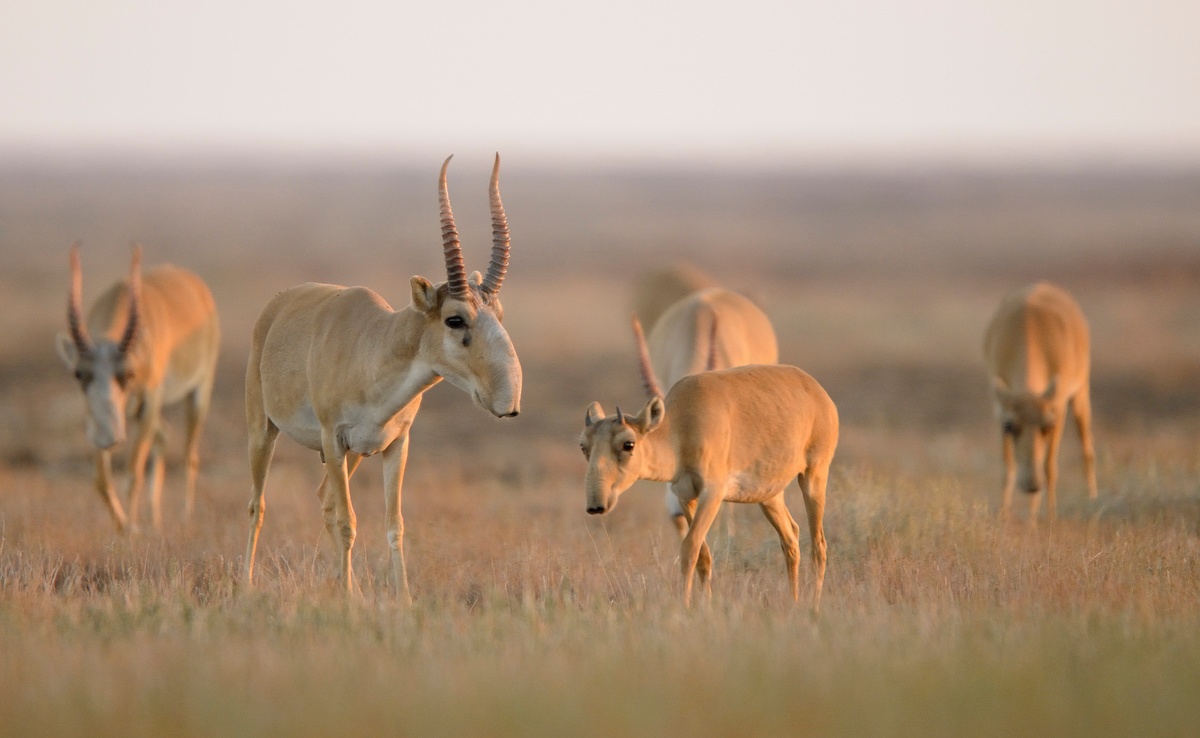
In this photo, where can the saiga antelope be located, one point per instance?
(736, 435)
(1038, 355)
(148, 342)
(340, 372)
(712, 328)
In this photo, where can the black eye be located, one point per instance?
(584, 450)
(628, 445)
(455, 321)
(1010, 428)
(83, 375)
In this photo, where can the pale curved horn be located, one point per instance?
(456, 271)
(135, 301)
(75, 304)
(498, 266)
(647, 369)
(710, 362)
(620, 416)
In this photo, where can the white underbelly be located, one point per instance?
(301, 426)
(751, 488)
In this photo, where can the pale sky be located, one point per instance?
(689, 81)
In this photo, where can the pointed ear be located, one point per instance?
(594, 414)
(1050, 389)
(424, 294)
(652, 415)
(67, 350)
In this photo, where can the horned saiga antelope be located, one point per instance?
(734, 435)
(340, 372)
(1037, 350)
(712, 328)
(148, 342)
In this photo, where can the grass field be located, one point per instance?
(532, 618)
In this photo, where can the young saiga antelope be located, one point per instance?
(735, 435)
(1037, 353)
(340, 372)
(148, 342)
(712, 328)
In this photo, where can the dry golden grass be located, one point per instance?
(532, 618)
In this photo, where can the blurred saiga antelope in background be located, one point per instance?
(713, 328)
(148, 342)
(340, 372)
(736, 435)
(1038, 354)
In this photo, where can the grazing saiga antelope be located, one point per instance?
(340, 372)
(1037, 352)
(713, 328)
(736, 435)
(148, 342)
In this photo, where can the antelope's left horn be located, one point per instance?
(135, 301)
(498, 266)
(456, 271)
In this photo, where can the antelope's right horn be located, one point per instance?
(456, 271)
(75, 304)
(648, 379)
(135, 301)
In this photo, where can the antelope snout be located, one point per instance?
(596, 510)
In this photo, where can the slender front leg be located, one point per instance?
(346, 525)
(104, 486)
(197, 410)
(1010, 476)
(812, 485)
(395, 458)
(789, 538)
(157, 463)
(705, 507)
(1082, 407)
(262, 447)
(329, 505)
(148, 420)
(679, 518)
(1056, 433)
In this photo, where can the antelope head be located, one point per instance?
(104, 366)
(613, 445)
(463, 340)
(1029, 419)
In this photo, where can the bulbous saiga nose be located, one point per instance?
(595, 510)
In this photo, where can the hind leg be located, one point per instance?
(196, 407)
(328, 504)
(1081, 406)
(812, 485)
(789, 538)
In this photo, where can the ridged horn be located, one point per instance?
(710, 362)
(75, 304)
(135, 301)
(647, 369)
(498, 266)
(456, 271)
(620, 416)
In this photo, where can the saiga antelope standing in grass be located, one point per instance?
(736, 435)
(340, 372)
(148, 342)
(713, 328)
(1037, 352)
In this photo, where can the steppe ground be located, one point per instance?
(532, 618)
